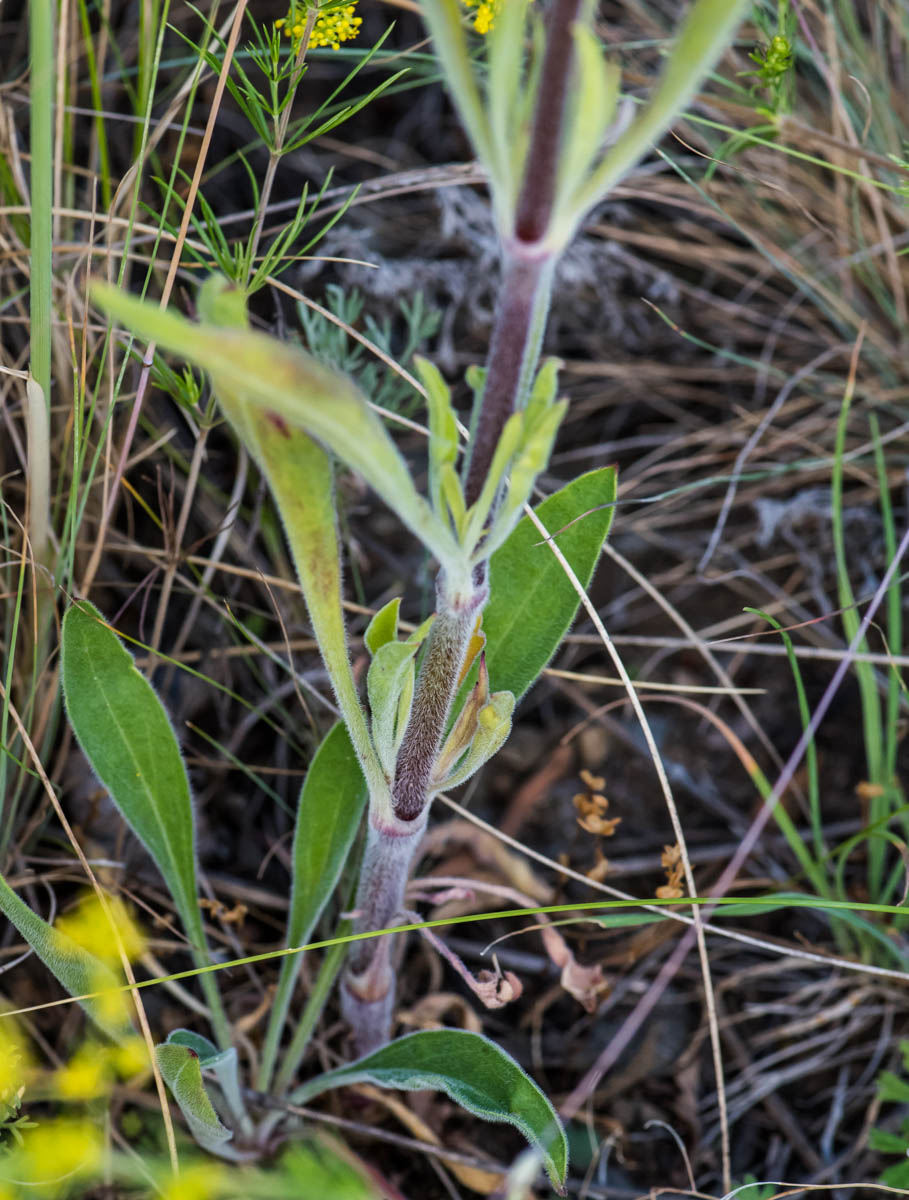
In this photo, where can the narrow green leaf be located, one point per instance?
(443, 427)
(473, 1071)
(328, 817)
(531, 602)
(291, 389)
(386, 679)
(78, 971)
(705, 34)
(493, 728)
(181, 1069)
(301, 478)
(127, 737)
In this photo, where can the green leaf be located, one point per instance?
(328, 817)
(291, 389)
(389, 674)
(78, 971)
(383, 627)
(897, 1176)
(473, 1071)
(892, 1087)
(888, 1143)
(181, 1069)
(705, 34)
(127, 737)
(301, 478)
(221, 1063)
(531, 602)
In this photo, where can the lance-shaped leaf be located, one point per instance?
(78, 971)
(531, 602)
(443, 427)
(390, 678)
(328, 817)
(707, 30)
(127, 737)
(473, 1071)
(299, 391)
(301, 478)
(181, 1069)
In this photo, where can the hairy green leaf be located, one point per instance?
(531, 602)
(181, 1069)
(390, 673)
(291, 389)
(127, 737)
(78, 971)
(383, 627)
(328, 817)
(473, 1071)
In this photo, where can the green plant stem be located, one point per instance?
(315, 1002)
(276, 151)
(528, 267)
(871, 706)
(41, 115)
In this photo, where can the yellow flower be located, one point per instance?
(485, 16)
(56, 1151)
(331, 28)
(130, 1058)
(89, 926)
(200, 1181)
(86, 1075)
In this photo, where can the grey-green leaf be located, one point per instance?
(127, 737)
(181, 1069)
(78, 971)
(473, 1071)
(222, 1064)
(328, 817)
(531, 602)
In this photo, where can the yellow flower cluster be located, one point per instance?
(331, 28)
(52, 1157)
(484, 17)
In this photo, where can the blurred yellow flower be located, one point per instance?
(199, 1181)
(87, 1074)
(55, 1150)
(130, 1058)
(89, 926)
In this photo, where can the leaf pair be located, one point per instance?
(588, 167)
(522, 453)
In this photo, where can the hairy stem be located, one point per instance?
(513, 354)
(367, 997)
(528, 266)
(437, 684)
